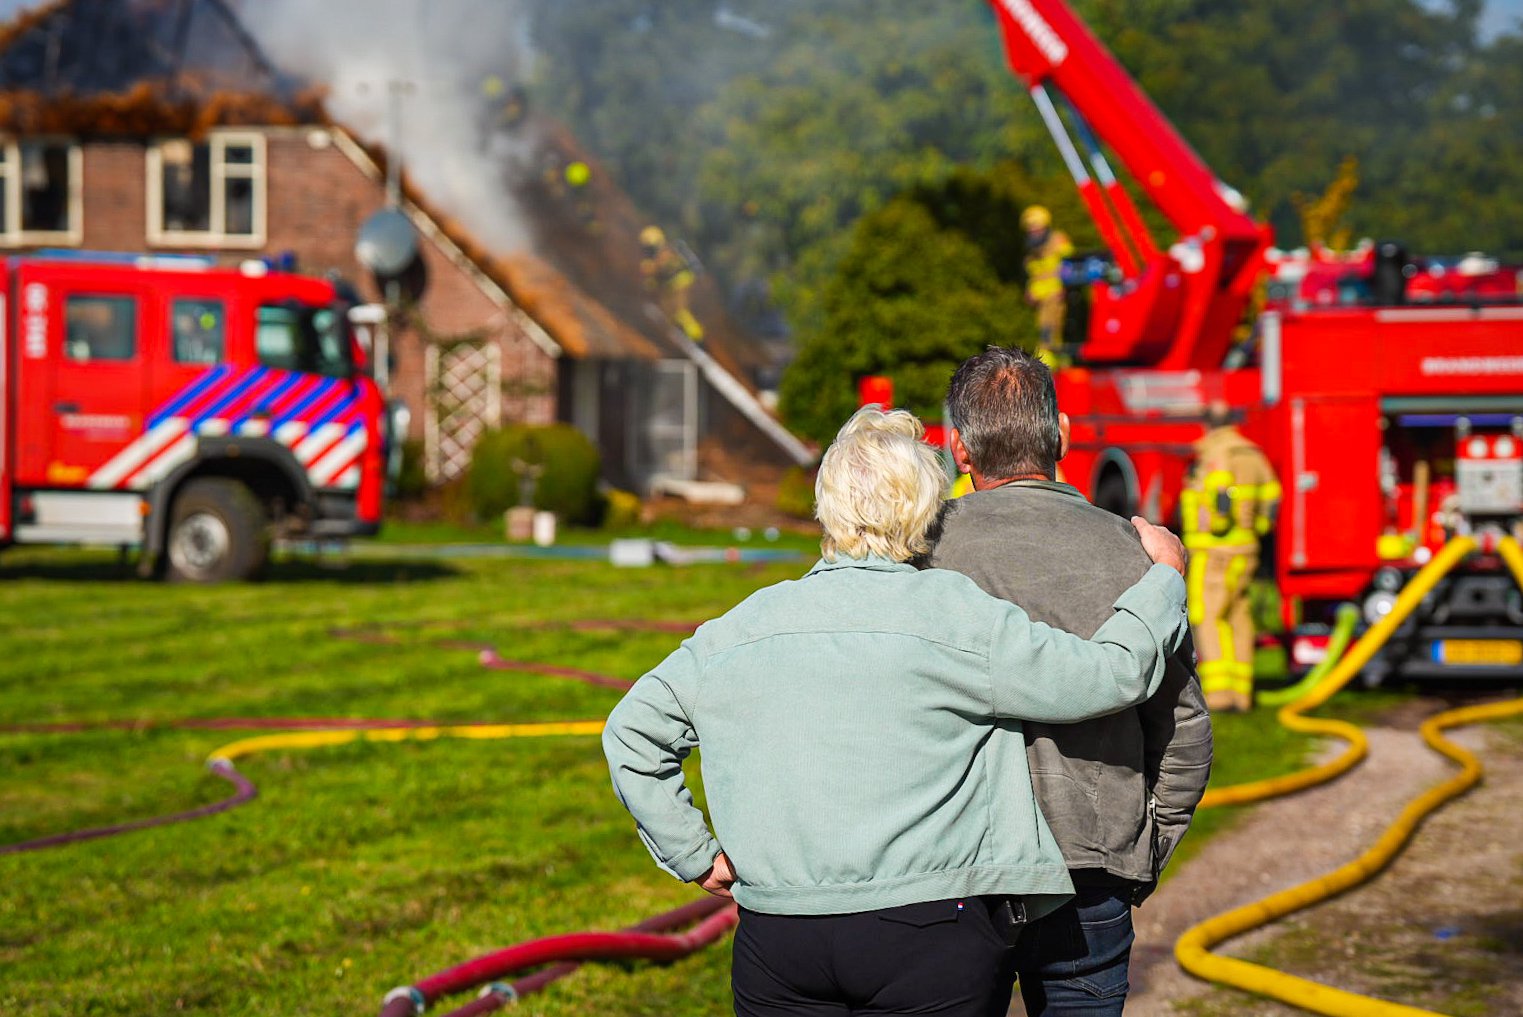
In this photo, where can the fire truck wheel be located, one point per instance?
(1111, 494)
(217, 533)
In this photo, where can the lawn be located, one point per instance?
(361, 867)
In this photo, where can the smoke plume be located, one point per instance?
(445, 64)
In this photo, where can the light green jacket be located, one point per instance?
(861, 736)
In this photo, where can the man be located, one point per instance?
(1045, 250)
(1119, 791)
(668, 273)
(1228, 503)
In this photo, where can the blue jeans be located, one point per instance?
(1074, 961)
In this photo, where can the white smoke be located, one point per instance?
(447, 63)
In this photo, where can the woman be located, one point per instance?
(862, 751)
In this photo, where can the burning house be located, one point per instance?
(163, 126)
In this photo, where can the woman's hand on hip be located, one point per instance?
(719, 878)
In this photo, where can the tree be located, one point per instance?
(925, 283)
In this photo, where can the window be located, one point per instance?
(40, 191)
(207, 193)
(196, 332)
(297, 338)
(100, 328)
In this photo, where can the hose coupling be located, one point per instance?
(502, 990)
(409, 993)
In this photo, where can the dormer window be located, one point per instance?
(208, 193)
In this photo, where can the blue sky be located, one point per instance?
(1501, 15)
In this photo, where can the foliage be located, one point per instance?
(767, 148)
(929, 280)
(556, 462)
(864, 100)
(629, 76)
(412, 480)
(1275, 96)
(795, 494)
(621, 509)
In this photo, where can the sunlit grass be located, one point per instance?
(358, 867)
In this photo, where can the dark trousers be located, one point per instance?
(1074, 960)
(937, 958)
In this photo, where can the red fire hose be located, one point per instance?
(649, 940)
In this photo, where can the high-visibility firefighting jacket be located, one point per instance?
(1044, 267)
(1232, 496)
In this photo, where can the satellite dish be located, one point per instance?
(387, 243)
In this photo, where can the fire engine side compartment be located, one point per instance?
(1342, 371)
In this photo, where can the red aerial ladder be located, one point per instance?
(1393, 426)
(1172, 308)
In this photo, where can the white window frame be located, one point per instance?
(215, 235)
(14, 235)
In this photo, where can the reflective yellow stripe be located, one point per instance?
(1235, 571)
(1236, 537)
(1215, 676)
(1189, 513)
(1224, 637)
(1195, 589)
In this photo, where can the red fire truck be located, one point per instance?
(1393, 423)
(190, 410)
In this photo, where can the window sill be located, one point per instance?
(207, 240)
(39, 239)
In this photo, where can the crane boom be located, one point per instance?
(1172, 308)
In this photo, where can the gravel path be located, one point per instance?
(1441, 924)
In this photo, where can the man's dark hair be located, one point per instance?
(1005, 406)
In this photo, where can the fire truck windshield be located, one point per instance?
(298, 337)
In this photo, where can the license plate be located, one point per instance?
(1479, 651)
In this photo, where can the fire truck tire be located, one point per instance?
(1111, 494)
(218, 533)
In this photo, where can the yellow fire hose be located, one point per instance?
(1192, 949)
(324, 739)
(1358, 746)
(1343, 633)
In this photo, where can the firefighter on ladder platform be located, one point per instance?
(669, 274)
(1228, 504)
(1045, 250)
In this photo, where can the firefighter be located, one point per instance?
(669, 274)
(1045, 250)
(1228, 504)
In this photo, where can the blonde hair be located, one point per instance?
(878, 488)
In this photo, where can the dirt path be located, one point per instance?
(1442, 928)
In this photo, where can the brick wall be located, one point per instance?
(317, 198)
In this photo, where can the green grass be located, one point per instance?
(800, 536)
(359, 867)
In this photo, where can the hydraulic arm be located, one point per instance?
(1172, 308)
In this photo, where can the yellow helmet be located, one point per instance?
(578, 173)
(651, 236)
(1035, 218)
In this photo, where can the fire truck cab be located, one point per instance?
(192, 411)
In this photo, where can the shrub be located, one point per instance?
(505, 459)
(411, 480)
(795, 493)
(621, 509)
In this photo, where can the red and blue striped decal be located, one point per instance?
(317, 418)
